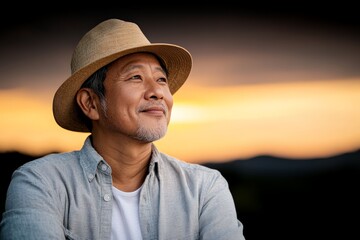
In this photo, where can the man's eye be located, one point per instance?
(162, 80)
(136, 77)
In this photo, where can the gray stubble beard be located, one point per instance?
(145, 134)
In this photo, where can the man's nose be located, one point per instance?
(154, 90)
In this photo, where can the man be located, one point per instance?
(119, 186)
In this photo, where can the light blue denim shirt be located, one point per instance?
(69, 196)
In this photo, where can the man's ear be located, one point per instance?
(86, 100)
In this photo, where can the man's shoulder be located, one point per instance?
(56, 159)
(194, 174)
(187, 166)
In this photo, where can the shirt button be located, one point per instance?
(107, 197)
(103, 167)
(90, 176)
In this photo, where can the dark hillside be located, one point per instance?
(278, 198)
(296, 199)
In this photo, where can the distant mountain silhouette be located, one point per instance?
(277, 198)
(285, 199)
(275, 166)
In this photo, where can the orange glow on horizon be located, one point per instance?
(307, 119)
(300, 119)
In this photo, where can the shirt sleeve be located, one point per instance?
(31, 209)
(218, 217)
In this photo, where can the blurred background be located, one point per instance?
(272, 102)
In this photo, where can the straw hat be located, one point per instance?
(103, 44)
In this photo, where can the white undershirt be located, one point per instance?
(125, 215)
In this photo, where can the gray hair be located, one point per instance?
(96, 83)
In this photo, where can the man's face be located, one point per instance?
(138, 98)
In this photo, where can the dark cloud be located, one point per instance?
(254, 44)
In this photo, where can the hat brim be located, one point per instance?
(177, 60)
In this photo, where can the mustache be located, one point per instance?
(150, 106)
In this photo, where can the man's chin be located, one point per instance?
(150, 134)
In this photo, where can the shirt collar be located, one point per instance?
(90, 159)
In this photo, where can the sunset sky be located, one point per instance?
(279, 84)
